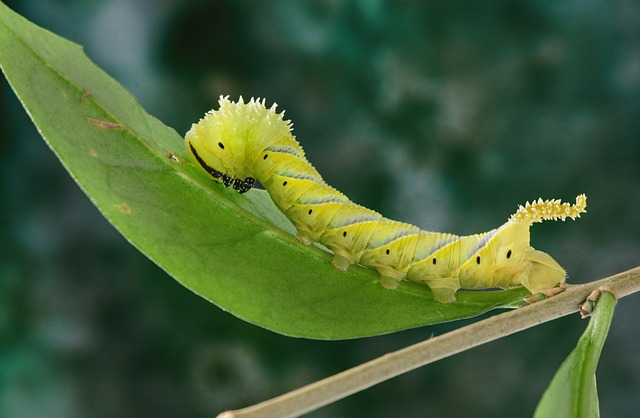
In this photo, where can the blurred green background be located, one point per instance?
(445, 114)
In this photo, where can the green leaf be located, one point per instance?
(572, 392)
(237, 251)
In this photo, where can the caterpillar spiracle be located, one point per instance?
(243, 142)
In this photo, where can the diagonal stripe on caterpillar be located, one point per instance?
(241, 142)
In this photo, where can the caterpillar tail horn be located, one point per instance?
(543, 272)
(554, 209)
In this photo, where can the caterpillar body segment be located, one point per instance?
(242, 141)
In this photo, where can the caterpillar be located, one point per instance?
(243, 142)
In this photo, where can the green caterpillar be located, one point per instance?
(242, 142)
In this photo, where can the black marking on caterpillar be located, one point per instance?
(242, 141)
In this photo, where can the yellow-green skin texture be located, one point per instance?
(242, 141)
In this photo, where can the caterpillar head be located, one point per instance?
(226, 142)
(507, 256)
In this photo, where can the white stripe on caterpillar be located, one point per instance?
(242, 141)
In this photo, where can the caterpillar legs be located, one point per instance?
(542, 272)
(388, 282)
(340, 262)
(444, 289)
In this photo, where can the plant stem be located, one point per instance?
(333, 388)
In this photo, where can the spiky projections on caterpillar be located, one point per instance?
(241, 142)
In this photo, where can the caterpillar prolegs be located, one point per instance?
(241, 142)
